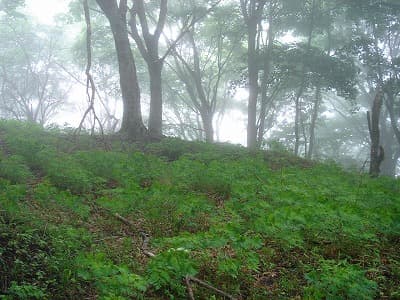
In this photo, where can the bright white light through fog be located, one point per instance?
(46, 10)
(232, 127)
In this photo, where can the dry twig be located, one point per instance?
(210, 287)
(189, 288)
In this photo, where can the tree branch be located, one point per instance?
(187, 26)
(161, 19)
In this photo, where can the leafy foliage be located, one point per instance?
(14, 169)
(340, 280)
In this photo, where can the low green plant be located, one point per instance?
(252, 223)
(172, 149)
(338, 280)
(66, 173)
(47, 194)
(167, 270)
(14, 169)
(107, 165)
(111, 281)
(24, 292)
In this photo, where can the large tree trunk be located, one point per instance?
(207, 120)
(155, 117)
(132, 123)
(392, 155)
(392, 150)
(377, 154)
(393, 117)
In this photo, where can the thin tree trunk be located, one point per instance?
(253, 86)
(314, 117)
(303, 84)
(297, 123)
(252, 11)
(266, 75)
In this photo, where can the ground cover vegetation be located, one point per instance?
(145, 221)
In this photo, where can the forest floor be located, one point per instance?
(188, 220)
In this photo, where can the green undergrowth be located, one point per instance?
(257, 225)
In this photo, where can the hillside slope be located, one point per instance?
(133, 222)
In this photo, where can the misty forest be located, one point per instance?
(199, 149)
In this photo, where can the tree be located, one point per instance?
(203, 75)
(32, 87)
(376, 27)
(132, 124)
(148, 46)
(377, 152)
(252, 12)
(10, 6)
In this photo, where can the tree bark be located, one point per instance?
(314, 117)
(132, 124)
(302, 87)
(156, 101)
(377, 152)
(253, 85)
(392, 150)
(252, 12)
(264, 82)
(207, 120)
(393, 119)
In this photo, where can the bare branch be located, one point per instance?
(90, 86)
(161, 19)
(135, 35)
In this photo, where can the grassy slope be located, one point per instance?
(256, 225)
